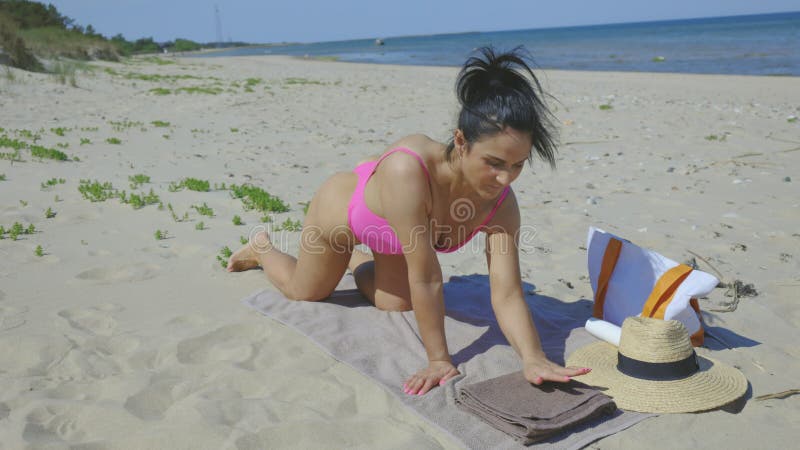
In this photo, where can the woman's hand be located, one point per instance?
(437, 373)
(540, 370)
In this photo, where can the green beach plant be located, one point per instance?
(138, 180)
(209, 90)
(243, 240)
(605, 107)
(160, 124)
(200, 226)
(223, 256)
(305, 205)
(14, 144)
(714, 137)
(38, 252)
(256, 198)
(114, 141)
(204, 210)
(85, 141)
(139, 201)
(175, 216)
(160, 91)
(122, 125)
(160, 235)
(290, 225)
(64, 72)
(11, 156)
(301, 81)
(193, 184)
(237, 221)
(52, 182)
(49, 214)
(2, 177)
(30, 135)
(41, 152)
(95, 191)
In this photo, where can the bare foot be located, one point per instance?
(247, 257)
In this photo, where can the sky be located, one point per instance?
(268, 21)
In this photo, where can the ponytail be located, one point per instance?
(495, 93)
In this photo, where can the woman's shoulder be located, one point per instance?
(507, 214)
(418, 143)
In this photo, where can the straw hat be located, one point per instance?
(656, 370)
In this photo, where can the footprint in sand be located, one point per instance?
(34, 355)
(12, 317)
(51, 424)
(94, 321)
(55, 424)
(120, 273)
(229, 343)
(154, 400)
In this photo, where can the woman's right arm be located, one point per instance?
(405, 196)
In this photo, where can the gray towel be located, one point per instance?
(532, 413)
(386, 347)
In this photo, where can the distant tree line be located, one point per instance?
(29, 27)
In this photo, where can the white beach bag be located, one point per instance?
(628, 280)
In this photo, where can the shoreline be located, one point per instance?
(535, 69)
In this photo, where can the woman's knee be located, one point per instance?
(307, 295)
(386, 301)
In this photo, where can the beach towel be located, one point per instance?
(386, 347)
(531, 413)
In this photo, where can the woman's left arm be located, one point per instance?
(508, 301)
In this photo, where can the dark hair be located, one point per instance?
(494, 93)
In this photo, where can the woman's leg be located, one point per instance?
(325, 247)
(383, 280)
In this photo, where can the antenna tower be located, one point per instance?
(219, 26)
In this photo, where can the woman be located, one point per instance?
(424, 196)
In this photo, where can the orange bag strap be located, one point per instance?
(610, 257)
(664, 290)
(699, 336)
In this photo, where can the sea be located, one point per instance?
(764, 44)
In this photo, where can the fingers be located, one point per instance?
(418, 386)
(421, 384)
(573, 371)
(429, 383)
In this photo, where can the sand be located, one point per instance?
(114, 339)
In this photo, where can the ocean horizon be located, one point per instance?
(763, 44)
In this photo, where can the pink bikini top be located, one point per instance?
(374, 231)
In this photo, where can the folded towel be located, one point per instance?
(531, 413)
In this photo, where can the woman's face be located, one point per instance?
(493, 162)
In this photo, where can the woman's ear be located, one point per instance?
(459, 141)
